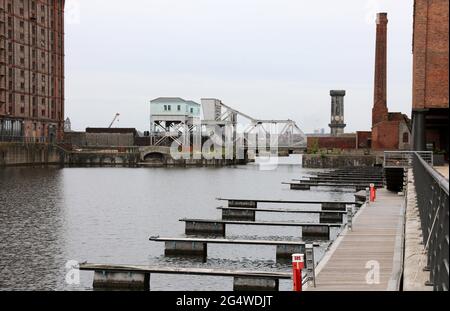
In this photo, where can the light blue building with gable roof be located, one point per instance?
(166, 112)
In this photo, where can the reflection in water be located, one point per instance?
(31, 231)
(50, 216)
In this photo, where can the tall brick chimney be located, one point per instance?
(379, 110)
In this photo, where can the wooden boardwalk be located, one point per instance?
(376, 237)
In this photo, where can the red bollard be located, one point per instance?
(373, 193)
(297, 265)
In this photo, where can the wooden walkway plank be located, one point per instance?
(373, 243)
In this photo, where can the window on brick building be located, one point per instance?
(406, 138)
(22, 48)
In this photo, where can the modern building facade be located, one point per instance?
(32, 69)
(430, 75)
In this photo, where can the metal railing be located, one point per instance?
(404, 159)
(432, 200)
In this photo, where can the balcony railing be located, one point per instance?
(432, 201)
(404, 159)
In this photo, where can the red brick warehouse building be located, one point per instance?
(430, 75)
(32, 69)
(390, 130)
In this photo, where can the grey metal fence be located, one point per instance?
(432, 200)
(404, 159)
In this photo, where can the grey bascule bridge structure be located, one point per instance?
(175, 121)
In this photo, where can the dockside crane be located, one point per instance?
(114, 120)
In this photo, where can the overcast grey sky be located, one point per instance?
(267, 58)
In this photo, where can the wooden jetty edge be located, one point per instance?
(233, 202)
(306, 185)
(232, 241)
(317, 231)
(281, 210)
(198, 247)
(138, 276)
(261, 223)
(249, 213)
(368, 257)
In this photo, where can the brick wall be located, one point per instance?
(385, 135)
(430, 49)
(363, 139)
(332, 142)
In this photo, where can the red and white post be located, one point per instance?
(298, 263)
(373, 193)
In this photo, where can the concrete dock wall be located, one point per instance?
(336, 161)
(17, 154)
(21, 154)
